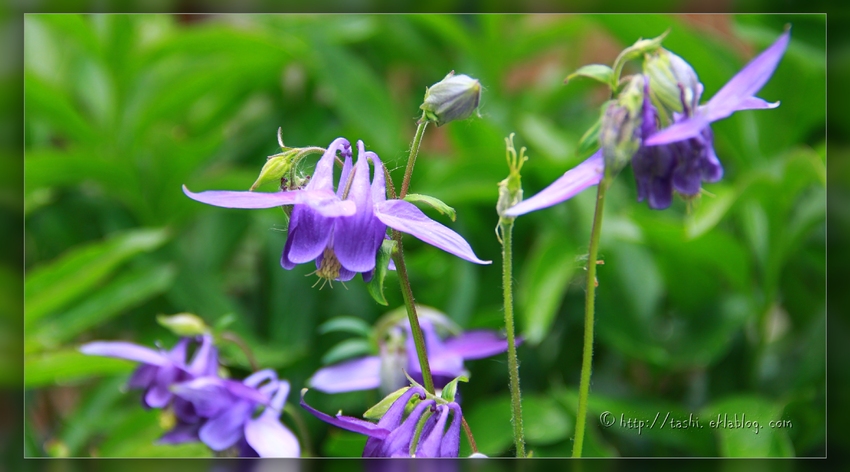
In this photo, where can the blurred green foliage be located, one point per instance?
(716, 310)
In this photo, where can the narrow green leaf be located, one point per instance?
(346, 324)
(590, 139)
(377, 411)
(51, 286)
(598, 72)
(435, 203)
(346, 349)
(125, 292)
(69, 365)
(450, 390)
(376, 285)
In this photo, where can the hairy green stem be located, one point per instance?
(506, 226)
(407, 292)
(411, 159)
(587, 354)
(409, 304)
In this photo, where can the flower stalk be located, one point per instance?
(590, 298)
(414, 151)
(510, 193)
(404, 281)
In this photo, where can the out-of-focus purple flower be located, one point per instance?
(162, 369)
(393, 435)
(342, 229)
(399, 356)
(680, 156)
(229, 408)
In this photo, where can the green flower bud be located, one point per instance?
(455, 97)
(673, 83)
(619, 135)
(184, 324)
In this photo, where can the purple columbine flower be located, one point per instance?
(162, 369)
(342, 229)
(229, 408)
(387, 370)
(393, 435)
(680, 156)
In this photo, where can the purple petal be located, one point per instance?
(270, 438)
(182, 433)
(746, 83)
(379, 181)
(397, 443)
(323, 201)
(177, 354)
(159, 393)
(429, 442)
(358, 237)
(184, 410)
(309, 233)
(205, 360)
(209, 395)
(224, 430)
(357, 374)
(450, 447)
(344, 175)
(323, 174)
(257, 378)
(678, 131)
(143, 376)
(580, 177)
(346, 422)
(390, 421)
(476, 344)
(124, 350)
(405, 217)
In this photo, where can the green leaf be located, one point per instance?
(377, 412)
(710, 210)
(543, 283)
(346, 349)
(450, 390)
(346, 324)
(107, 302)
(376, 285)
(598, 72)
(590, 139)
(41, 370)
(743, 426)
(50, 287)
(434, 202)
(544, 420)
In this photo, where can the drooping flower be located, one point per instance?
(206, 407)
(342, 229)
(394, 434)
(680, 156)
(229, 408)
(398, 355)
(162, 369)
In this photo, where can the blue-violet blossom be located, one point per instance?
(393, 435)
(342, 229)
(229, 408)
(680, 156)
(215, 411)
